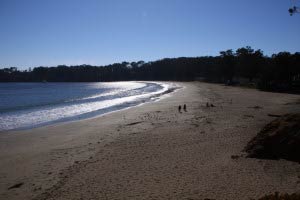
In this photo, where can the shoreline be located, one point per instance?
(43, 140)
(153, 151)
(155, 96)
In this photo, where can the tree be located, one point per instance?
(249, 62)
(227, 65)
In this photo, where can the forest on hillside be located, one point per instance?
(279, 72)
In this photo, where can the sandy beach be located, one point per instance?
(153, 151)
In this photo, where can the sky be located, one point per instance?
(100, 32)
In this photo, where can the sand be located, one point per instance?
(153, 151)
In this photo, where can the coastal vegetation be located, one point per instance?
(279, 72)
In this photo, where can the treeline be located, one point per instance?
(279, 72)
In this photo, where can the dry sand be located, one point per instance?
(153, 151)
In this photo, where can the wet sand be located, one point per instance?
(153, 151)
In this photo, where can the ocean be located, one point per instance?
(29, 105)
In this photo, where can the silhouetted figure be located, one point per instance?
(179, 108)
(184, 107)
(207, 104)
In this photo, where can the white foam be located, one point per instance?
(35, 117)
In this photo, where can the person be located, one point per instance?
(179, 108)
(184, 107)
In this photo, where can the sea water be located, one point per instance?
(28, 105)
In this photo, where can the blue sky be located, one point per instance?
(99, 32)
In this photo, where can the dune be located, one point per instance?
(280, 139)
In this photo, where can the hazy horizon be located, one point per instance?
(49, 33)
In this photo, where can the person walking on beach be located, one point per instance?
(179, 108)
(184, 108)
